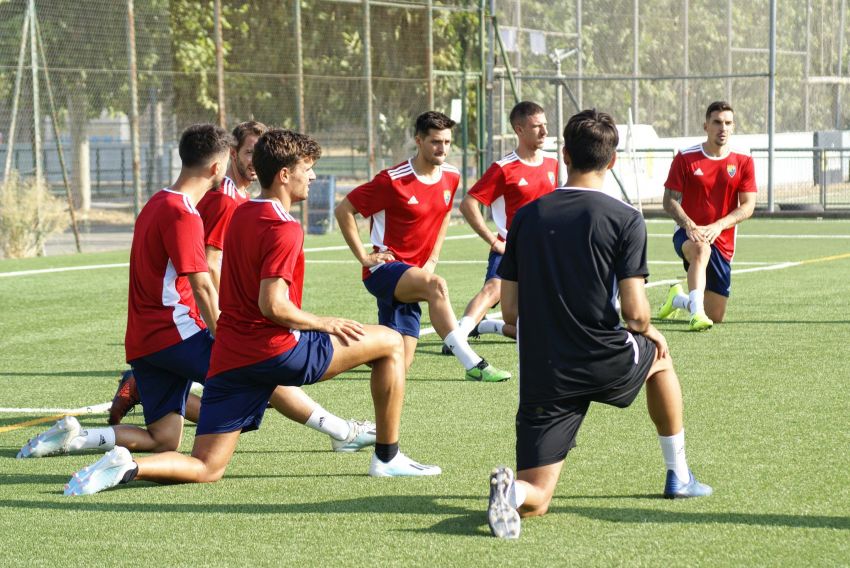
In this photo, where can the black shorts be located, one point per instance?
(546, 431)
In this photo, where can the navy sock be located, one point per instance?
(130, 475)
(386, 452)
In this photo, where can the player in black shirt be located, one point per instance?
(572, 258)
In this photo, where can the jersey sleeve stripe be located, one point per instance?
(507, 159)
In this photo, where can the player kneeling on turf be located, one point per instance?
(568, 254)
(264, 339)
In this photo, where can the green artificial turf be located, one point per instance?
(767, 400)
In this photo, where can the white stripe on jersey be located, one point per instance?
(450, 168)
(281, 211)
(692, 149)
(186, 326)
(229, 187)
(401, 171)
(379, 228)
(500, 215)
(507, 159)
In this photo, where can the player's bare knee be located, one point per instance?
(535, 511)
(437, 289)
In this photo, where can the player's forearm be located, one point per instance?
(738, 215)
(214, 264)
(469, 209)
(286, 314)
(348, 227)
(206, 297)
(510, 301)
(672, 204)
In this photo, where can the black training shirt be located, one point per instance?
(566, 251)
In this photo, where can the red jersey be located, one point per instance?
(510, 183)
(406, 211)
(168, 244)
(216, 209)
(710, 187)
(270, 244)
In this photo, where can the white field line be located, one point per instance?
(63, 269)
(93, 409)
(104, 407)
(780, 266)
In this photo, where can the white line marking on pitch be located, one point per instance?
(740, 236)
(64, 269)
(104, 407)
(94, 409)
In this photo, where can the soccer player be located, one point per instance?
(172, 308)
(568, 256)
(409, 207)
(710, 190)
(517, 179)
(216, 209)
(265, 339)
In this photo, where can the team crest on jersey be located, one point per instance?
(731, 169)
(447, 196)
(552, 178)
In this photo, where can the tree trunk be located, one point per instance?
(80, 169)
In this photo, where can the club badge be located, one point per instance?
(731, 169)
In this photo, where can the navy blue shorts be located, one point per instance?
(402, 317)
(237, 399)
(718, 273)
(493, 262)
(165, 377)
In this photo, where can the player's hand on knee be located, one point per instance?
(662, 350)
(376, 258)
(711, 232)
(345, 329)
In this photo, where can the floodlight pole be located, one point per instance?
(771, 108)
(36, 134)
(134, 108)
(370, 110)
(10, 145)
(219, 64)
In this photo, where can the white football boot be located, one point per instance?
(56, 440)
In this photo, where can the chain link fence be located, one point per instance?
(354, 74)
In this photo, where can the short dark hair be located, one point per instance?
(523, 110)
(201, 143)
(248, 128)
(591, 139)
(279, 148)
(432, 120)
(717, 106)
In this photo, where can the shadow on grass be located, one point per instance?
(461, 521)
(29, 478)
(636, 515)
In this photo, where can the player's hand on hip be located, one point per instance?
(376, 258)
(662, 351)
(498, 246)
(345, 329)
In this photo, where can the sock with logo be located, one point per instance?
(328, 423)
(491, 326)
(673, 449)
(456, 341)
(695, 301)
(386, 452)
(94, 438)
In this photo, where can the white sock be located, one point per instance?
(100, 438)
(456, 341)
(466, 324)
(491, 326)
(680, 302)
(673, 449)
(516, 495)
(328, 423)
(695, 301)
